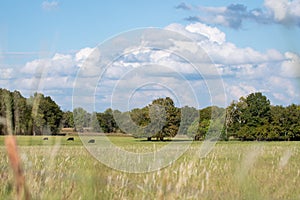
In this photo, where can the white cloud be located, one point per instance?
(61, 63)
(284, 11)
(83, 54)
(221, 51)
(35, 66)
(239, 90)
(212, 33)
(244, 70)
(58, 64)
(6, 73)
(284, 90)
(179, 28)
(50, 5)
(291, 66)
(250, 71)
(45, 83)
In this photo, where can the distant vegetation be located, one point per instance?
(250, 118)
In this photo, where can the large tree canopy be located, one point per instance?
(253, 118)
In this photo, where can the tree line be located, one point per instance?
(250, 118)
(35, 115)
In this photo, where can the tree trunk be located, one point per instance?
(148, 138)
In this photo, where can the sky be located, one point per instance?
(51, 46)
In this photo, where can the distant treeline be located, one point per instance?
(249, 118)
(33, 116)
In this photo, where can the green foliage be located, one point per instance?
(209, 125)
(67, 120)
(250, 118)
(23, 116)
(94, 123)
(106, 121)
(188, 116)
(140, 116)
(253, 118)
(46, 114)
(158, 120)
(172, 118)
(81, 118)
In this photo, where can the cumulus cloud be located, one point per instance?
(83, 54)
(212, 33)
(235, 91)
(286, 12)
(283, 89)
(291, 66)
(243, 70)
(46, 83)
(6, 73)
(58, 64)
(221, 51)
(247, 67)
(47, 74)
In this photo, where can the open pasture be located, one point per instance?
(60, 169)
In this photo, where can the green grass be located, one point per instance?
(38, 140)
(60, 169)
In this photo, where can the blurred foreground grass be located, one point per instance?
(61, 169)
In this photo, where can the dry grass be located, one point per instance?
(233, 170)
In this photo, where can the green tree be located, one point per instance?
(172, 118)
(209, 125)
(46, 114)
(6, 112)
(188, 116)
(106, 121)
(278, 125)
(258, 110)
(292, 127)
(67, 120)
(140, 116)
(158, 120)
(81, 118)
(234, 117)
(52, 114)
(21, 113)
(249, 118)
(95, 123)
(14, 113)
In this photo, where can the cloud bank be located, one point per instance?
(284, 12)
(243, 70)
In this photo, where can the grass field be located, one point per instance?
(61, 169)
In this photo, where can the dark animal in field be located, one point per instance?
(70, 139)
(45, 138)
(91, 141)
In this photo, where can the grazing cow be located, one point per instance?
(91, 141)
(70, 139)
(45, 138)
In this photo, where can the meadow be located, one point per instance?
(61, 169)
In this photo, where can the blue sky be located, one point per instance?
(254, 44)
